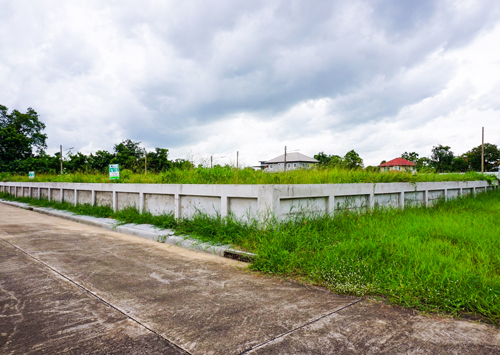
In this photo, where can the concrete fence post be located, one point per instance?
(61, 199)
(267, 202)
(401, 201)
(141, 202)
(76, 197)
(92, 198)
(371, 201)
(115, 202)
(177, 206)
(224, 211)
(331, 205)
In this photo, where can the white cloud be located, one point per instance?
(380, 77)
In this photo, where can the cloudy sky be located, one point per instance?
(215, 77)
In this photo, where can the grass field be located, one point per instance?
(442, 259)
(228, 175)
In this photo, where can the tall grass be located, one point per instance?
(228, 175)
(441, 259)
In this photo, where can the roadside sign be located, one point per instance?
(32, 174)
(114, 171)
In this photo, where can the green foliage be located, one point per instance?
(442, 158)
(491, 157)
(129, 155)
(20, 135)
(460, 164)
(412, 156)
(100, 161)
(351, 160)
(125, 174)
(158, 160)
(229, 175)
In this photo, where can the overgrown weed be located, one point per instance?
(229, 175)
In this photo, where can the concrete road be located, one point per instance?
(70, 288)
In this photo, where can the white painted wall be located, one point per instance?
(247, 201)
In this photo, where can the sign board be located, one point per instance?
(114, 171)
(32, 174)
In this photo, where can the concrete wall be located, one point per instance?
(248, 201)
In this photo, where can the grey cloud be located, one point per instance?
(299, 54)
(200, 62)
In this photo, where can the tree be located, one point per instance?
(442, 158)
(129, 155)
(352, 160)
(322, 158)
(335, 161)
(328, 160)
(20, 135)
(158, 160)
(100, 160)
(491, 157)
(77, 162)
(182, 164)
(413, 156)
(460, 164)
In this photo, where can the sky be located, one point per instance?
(213, 78)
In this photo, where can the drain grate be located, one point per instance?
(240, 256)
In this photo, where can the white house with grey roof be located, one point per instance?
(294, 161)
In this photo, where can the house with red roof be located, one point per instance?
(399, 164)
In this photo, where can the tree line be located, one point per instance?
(441, 160)
(23, 144)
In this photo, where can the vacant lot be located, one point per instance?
(228, 175)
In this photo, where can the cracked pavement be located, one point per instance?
(71, 288)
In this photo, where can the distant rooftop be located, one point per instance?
(293, 157)
(398, 162)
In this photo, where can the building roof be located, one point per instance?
(398, 162)
(293, 157)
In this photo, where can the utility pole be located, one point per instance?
(284, 161)
(145, 162)
(482, 154)
(61, 158)
(237, 156)
(211, 161)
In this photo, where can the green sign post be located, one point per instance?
(31, 174)
(114, 171)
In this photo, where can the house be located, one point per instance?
(399, 164)
(294, 161)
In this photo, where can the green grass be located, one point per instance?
(228, 175)
(443, 259)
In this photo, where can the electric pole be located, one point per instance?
(482, 153)
(284, 161)
(61, 158)
(237, 156)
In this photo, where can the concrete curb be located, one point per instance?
(145, 231)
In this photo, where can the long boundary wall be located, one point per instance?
(247, 201)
